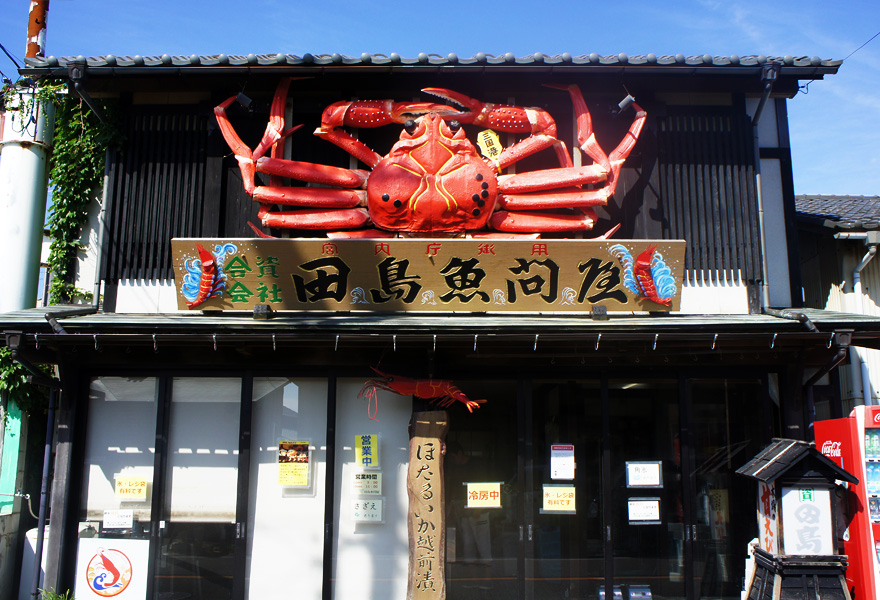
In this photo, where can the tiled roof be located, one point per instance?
(791, 65)
(783, 454)
(840, 212)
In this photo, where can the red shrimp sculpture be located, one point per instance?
(441, 392)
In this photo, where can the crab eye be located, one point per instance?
(454, 126)
(410, 126)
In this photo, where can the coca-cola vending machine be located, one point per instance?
(854, 444)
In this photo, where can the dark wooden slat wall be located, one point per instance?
(707, 178)
(156, 190)
(176, 178)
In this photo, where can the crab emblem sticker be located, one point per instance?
(108, 572)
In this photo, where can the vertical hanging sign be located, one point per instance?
(426, 521)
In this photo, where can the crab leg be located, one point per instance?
(350, 218)
(569, 197)
(273, 134)
(587, 139)
(503, 220)
(511, 119)
(550, 179)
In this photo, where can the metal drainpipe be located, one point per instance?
(858, 367)
(769, 74)
(44, 495)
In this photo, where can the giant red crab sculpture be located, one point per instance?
(432, 182)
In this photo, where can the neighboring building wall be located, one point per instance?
(12, 454)
(828, 266)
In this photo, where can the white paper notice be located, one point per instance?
(118, 519)
(562, 461)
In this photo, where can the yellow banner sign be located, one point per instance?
(131, 489)
(559, 498)
(366, 451)
(472, 275)
(483, 495)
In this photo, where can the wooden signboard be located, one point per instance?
(437, 274)
(426, 522)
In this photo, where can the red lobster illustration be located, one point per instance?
(209, 277)
(642, 271)
(439, 391)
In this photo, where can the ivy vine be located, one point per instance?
(14, 385)
(77, 172)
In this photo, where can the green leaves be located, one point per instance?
(76, 175)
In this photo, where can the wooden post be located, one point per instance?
(427, 520)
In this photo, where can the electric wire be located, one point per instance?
(17, 66)
(863, 45)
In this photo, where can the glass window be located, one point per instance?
(117, 490)
(286, 520)
(198, 529)
(371, 559)
(119, 455)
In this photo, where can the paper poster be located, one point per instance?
(293, 463)
(562, 461)
(368, 483)
(644, 474)
(366, 451)
(118, 519)
(368, 510)
(484, 495)
(111, 568)
(131, 488)
(643, 510)
(559, 499)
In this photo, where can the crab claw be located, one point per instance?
(400, 112)
(474, 107)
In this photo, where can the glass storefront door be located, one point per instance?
(650, 505)
(555, 488)
(727, 428)
(197, 531)
(565, 550)
(647, 514)
(483, 531)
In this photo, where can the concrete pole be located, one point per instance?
(25, 147)
(24, 169)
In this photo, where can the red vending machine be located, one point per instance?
(854, 444)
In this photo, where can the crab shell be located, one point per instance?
(432, 180)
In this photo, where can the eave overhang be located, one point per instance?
(646, 339)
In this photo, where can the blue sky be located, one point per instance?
(835, 126)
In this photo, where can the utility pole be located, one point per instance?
(24, 167)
